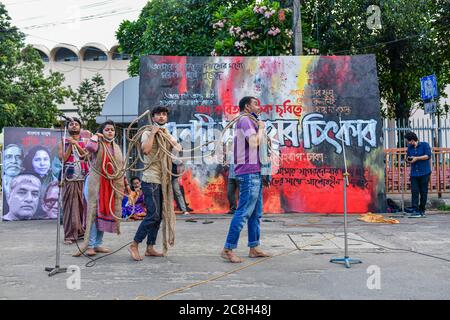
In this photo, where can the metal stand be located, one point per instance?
(403, 191)
(346, 260)
(57, 269)
(401, 182)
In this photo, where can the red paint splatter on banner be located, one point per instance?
(272, 200)
(304, 197)
(226, 89)
(209, 199)
(180, 83)
(334, 71)
(298, 197)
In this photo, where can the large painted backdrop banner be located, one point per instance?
(301, 100)
(30, 174)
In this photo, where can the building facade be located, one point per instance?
(77, 64)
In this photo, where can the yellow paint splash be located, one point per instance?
(303, 76)
(305, 62)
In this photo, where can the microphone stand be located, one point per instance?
(57, 269)
(346, 260)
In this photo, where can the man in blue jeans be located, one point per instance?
(247, 138)
(418, 155)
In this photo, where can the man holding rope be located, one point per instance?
(157, 187)
(249, 135)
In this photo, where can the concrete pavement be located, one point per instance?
(194, 269)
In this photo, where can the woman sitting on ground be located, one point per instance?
(133, 206)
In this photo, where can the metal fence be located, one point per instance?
(437, 134)
(397, 171)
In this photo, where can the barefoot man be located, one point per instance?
(247, 139)
(157, 188)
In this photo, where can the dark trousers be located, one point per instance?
(178, 194)
(149, 227)
(419, 187)
(232, 187)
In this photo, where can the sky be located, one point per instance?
(77, 22)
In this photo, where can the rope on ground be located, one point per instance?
(231, 271)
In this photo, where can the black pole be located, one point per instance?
(57, 269)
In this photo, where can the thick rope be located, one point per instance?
(165, 157)
(162, 139)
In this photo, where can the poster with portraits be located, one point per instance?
(30, 174)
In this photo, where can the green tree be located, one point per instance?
(413, 42)
(89, 98)
(170, 27)
(28, 98)
(190, 27)
(263, 29)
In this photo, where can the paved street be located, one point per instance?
(194, 269)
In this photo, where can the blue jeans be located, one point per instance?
(249, 210)
(95, 237)
(149, 227)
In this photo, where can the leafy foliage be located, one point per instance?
(262, 29)
(413, 42)
(27, 97)
(89, 99)
(190, 27)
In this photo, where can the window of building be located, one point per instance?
(64, 54)
(94, 54)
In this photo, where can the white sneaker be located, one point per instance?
(186, 213)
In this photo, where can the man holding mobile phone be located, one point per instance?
(418, 155)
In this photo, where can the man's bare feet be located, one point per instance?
(133, 249)
(151, 252)
(230, 256)
(257, 253)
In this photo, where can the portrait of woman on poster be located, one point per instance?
(38, 163)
